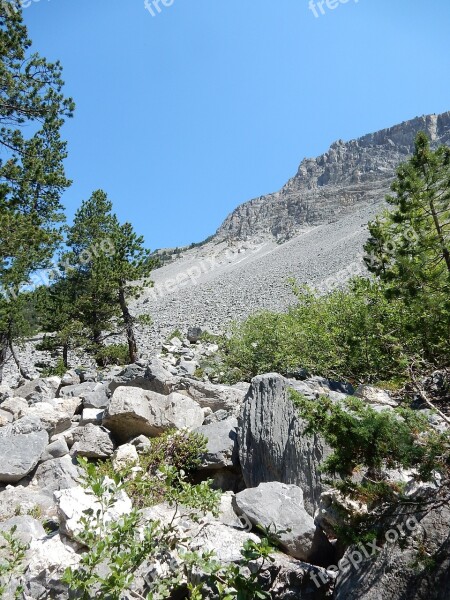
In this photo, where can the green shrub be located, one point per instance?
(178, 449)
(117, 551)
(115, 354)
(354, 334)
(58, 370)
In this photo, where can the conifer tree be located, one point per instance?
(409, 248)
(32, 179)
(108, 265)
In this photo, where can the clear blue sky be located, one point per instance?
(183, 116)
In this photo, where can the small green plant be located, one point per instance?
(57, 370)
(175, 333)
(12, 555)
(181, 450)
(114, 354)
(117, 551)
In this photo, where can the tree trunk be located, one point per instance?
(128, 320)
(65, 355)
(23, 373)
(3, 353)
(445, 251)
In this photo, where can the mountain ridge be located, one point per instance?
(329, 186)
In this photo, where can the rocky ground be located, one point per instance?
(226, 281)
(258, 455)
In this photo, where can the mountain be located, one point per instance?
(324, 189)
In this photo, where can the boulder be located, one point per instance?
(273, 445)
(373, 395)
(55, 474)
(27, 528)
(334, 509)
(70, 378)
(80, 390)
(188, 367)
(56, 449)
(92, 441)
(124, 457)
(411, 561)
(134, 411)
(5, 392)
(141, 443)
(39, 390)
(194, 334)
(17, 500)
(48, 558)
(21, 446)
(280, 508)
(91, 415)
(96, 399)
(6, 417)
(52, 417)
(17, 407)
(73, 503)
(222, 450)
(153, 378)
(209, 395)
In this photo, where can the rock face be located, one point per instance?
(272, 443)
(222, 450)
(279, 506)
(134, 411)
(21, 447)
(326, 188)
(415, 568)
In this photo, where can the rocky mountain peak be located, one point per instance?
(349, 174)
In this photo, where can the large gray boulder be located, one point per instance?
(209, 395)
(154, 378)
(55, 474)
(21, 446)
(39, 390)
(54, 418)
(273, 445)
(72, 504)
(411, 562)
(80, 390)
(92, 441)
(280, 509)
(222, 449)
(27, 528)
(134, 411)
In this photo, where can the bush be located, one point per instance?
(178, 449)
(120, 552)
(353, 334)
(115, 354)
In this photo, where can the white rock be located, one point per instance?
(72, 504)
(125, 456)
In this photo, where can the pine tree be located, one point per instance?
(108, 264)
(409, 248)
(32, 178)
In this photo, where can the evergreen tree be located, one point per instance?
(32, 178)
(409, 248)
(103, 267)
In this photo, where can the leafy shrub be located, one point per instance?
(11, 561)
(117, 551)
(58, 370)
(178, 449)
(115, 354)
(352, 334)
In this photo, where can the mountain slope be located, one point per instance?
(350, 174)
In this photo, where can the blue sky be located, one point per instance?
(182, 116)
